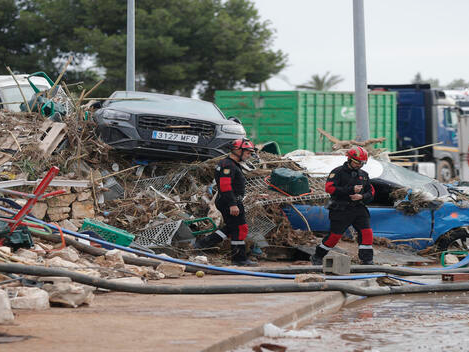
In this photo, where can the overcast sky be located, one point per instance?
(403, 37)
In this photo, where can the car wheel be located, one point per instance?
(444, 171)
(457, 240)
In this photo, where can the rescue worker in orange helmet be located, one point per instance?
(350, 190)
(231, 189)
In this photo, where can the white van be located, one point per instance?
(10, 95)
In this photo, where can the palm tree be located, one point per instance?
(322, 83)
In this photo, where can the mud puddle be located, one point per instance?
(424, 322)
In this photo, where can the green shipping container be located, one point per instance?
(291, 118)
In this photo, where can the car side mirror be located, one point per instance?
(235, 119)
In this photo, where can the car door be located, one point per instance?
(414, 229)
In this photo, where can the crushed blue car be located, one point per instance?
(443, 220)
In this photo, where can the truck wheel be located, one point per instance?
(454, 240)
(444, 171)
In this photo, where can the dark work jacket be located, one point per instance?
(340, 184)
(230, 182)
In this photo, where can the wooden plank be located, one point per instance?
(455, 277)
(53, 137)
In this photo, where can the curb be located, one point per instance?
(321, 303)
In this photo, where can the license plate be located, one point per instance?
(175, 137)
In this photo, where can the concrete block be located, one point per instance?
(336, 263)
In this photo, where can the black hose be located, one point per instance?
(403, 271)
(230, 289)
(306, 269)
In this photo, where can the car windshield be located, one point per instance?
(161, 102)
(13, 95)
(408, 178)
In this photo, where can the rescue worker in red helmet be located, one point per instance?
(350, 190)
(231, 189)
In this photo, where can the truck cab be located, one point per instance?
(427, 116)
(10, 94)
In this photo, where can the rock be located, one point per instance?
(81, 210)
(68, 253)
(6, 315)
(201, 259)
(58, 213)
(62, 200)
(68, 225)
(39, 210)
(60, 263)
(112, 258)
(24, 253)
(69, 294)
(171, 270)
(23, 260)
(78, 223)
(137, 270)
(83, 195)
(28, 298)
(115, 256)
(6, 250)
(309, 278)
(152, 274)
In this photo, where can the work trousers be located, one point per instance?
(235, 228)
(357, 216)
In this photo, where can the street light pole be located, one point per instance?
(130, 73)
(361, 91)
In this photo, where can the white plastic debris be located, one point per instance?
(270, 330)
(201, 259)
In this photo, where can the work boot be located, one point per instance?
(315, 260)
(319, 253)
(209, 240)
(365, 255)
(238, 255)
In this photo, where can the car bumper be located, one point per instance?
(123, 136)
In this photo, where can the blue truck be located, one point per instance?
(427, 116)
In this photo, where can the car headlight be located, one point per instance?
(234, 129)
(116, 115)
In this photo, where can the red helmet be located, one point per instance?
(244, 144)
(358, 154)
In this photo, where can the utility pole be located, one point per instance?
(361, 90)
(130, 73)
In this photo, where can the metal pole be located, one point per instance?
(361, 92)
(130, 73)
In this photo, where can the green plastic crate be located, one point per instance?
(107, 232)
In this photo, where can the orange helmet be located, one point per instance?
(244, 144)
(358, 154)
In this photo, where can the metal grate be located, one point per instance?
(159, 235)
(176, 125)
(259, 226)
(62, 98)
(256, 185)
(164, 184)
